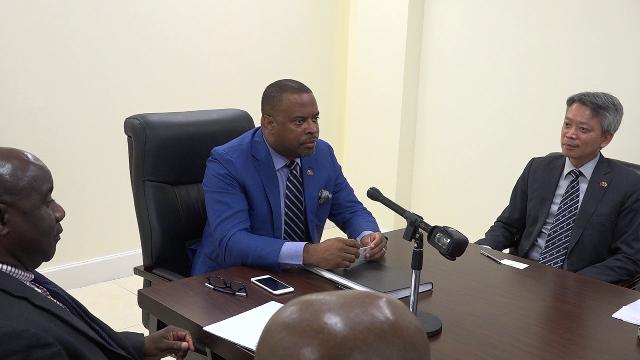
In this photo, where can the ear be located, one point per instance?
(4, 229)
(606, 139)
(267, 122)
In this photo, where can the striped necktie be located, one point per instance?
(294, 205)
(555, 248)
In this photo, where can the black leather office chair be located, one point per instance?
(632, 166)
(167, 159)
(635, 282)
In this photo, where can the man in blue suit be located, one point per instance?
(269, 192)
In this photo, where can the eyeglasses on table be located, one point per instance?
(221, 284)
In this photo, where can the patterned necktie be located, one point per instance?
(294, 205)
(555, 248)
(45, 292)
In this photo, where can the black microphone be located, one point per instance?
(376, 195)
(449, 242)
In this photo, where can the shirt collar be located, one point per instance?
(279, 161)
(586, 169)
(22, 275)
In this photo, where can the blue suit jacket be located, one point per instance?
(242, 197)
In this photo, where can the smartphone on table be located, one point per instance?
(272, 284)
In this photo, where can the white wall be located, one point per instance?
(72, 71)
(383, 63)
(494, 78)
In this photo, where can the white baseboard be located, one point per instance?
(92, 271)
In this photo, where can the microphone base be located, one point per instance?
(431, 324)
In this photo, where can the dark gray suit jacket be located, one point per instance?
(34, 327)
(605, 243)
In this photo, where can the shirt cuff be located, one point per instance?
(291, 252)
(362, 234)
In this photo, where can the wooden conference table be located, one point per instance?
(488, 310)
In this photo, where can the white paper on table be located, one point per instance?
(629, 313)
(515, 264)
(245, 328)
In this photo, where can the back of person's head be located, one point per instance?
(605, 107)
(345, 324)
(273, 93)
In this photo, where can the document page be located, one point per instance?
(244, 329)
(629, 313)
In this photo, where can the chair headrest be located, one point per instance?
(174, 146)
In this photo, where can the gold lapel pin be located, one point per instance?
(309, 172)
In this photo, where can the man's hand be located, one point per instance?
(378, 244)
(331, 253)
(168, 341)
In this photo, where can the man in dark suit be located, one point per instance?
(269, 192)
(578, 211)
(38, 319)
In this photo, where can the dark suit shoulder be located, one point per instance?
(619, 174)
(542, 165)
(552, 158)
(624, 168)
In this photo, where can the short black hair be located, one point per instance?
(273, 93)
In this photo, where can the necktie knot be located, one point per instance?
(293, 165)
(575, 173)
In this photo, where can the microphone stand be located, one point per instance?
(431, 324)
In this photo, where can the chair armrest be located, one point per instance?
(158, 275)
(167, 274)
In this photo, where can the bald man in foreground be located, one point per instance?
(348, 324)
(38, 319)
